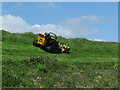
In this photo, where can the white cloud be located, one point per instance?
(70, 28)
(14, 24)
(97, 39)
(82, 26)
(36, 26)
(58, 29)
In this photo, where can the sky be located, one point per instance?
(92, 20)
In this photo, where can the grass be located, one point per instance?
(90, 64)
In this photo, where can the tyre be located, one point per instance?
(53, 49)
(35, 43)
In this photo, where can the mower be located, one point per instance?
(48, 42)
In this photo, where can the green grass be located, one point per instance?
(90, 64)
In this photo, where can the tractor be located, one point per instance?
(48, 42)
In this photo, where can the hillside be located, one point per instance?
(90, 64)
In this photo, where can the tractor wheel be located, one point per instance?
(53, 49)
(35, 43)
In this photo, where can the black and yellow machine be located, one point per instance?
(48, 42)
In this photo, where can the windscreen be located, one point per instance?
(42, 36)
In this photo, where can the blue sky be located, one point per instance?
(92, 20)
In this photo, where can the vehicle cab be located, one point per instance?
(41, 39)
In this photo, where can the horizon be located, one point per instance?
(62, 37)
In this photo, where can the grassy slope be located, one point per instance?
(90, 63)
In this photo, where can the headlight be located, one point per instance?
(40, 40)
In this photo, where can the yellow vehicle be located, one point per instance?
(48, 42)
